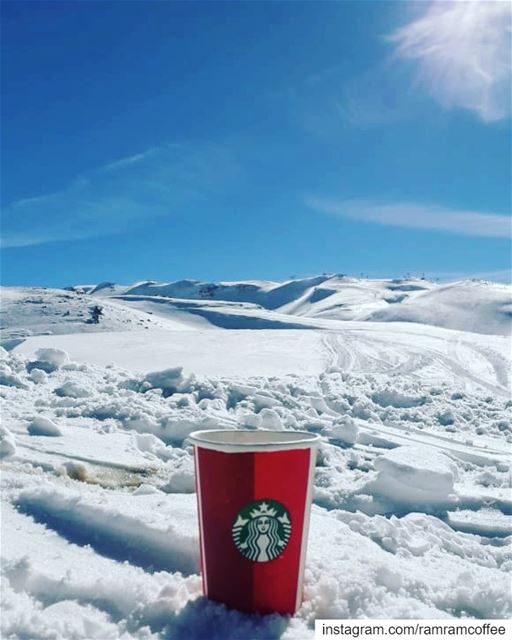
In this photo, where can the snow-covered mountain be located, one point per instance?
(406, 381)
(320, 302)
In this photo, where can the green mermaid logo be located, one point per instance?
(261, 530)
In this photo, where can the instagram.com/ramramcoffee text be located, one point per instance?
(439, 629)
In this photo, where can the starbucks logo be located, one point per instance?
(261, 530)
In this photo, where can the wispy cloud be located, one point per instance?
(462, 49)
(379, 96)
(419, 216)
(163, 181)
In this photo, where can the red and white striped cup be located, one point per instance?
(254, 492)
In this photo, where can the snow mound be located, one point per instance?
(146, 534)
(76, 471)
(477, 306)
(169, 380)
(38, 376)
(375, 564)
(92, 584)
(64, 619)
(42, 426)
(9, 378)
(446, 418)
(7, 443)
(415, 475)
(344, 429)
(146, 490)
(270, 295)
(55, 357)
(392, 398)
(270, 420)
(71, 389)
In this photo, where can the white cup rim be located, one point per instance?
(239, 441)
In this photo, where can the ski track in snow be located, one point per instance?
(412, 512)
(351, 351)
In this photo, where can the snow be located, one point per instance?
(38, 376)
(344, 429)
(7, 443)
(142, 523)
(415, 475)
(9, 378)
(412, 497)
(227, 352)
(471, 306)
(169, 380)
(270, 420)
(412, 567)
(55, 357)
(42, 426)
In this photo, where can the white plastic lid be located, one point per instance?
(236, 441)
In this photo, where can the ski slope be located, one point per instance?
(412, 513)
(473, 361)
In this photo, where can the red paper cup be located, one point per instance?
(254, 493)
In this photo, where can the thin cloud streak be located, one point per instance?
(462, 49)
(419, 216)
(123, 195)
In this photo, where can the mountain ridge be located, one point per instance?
(318, 302)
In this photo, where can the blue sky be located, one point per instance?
(230, 140)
